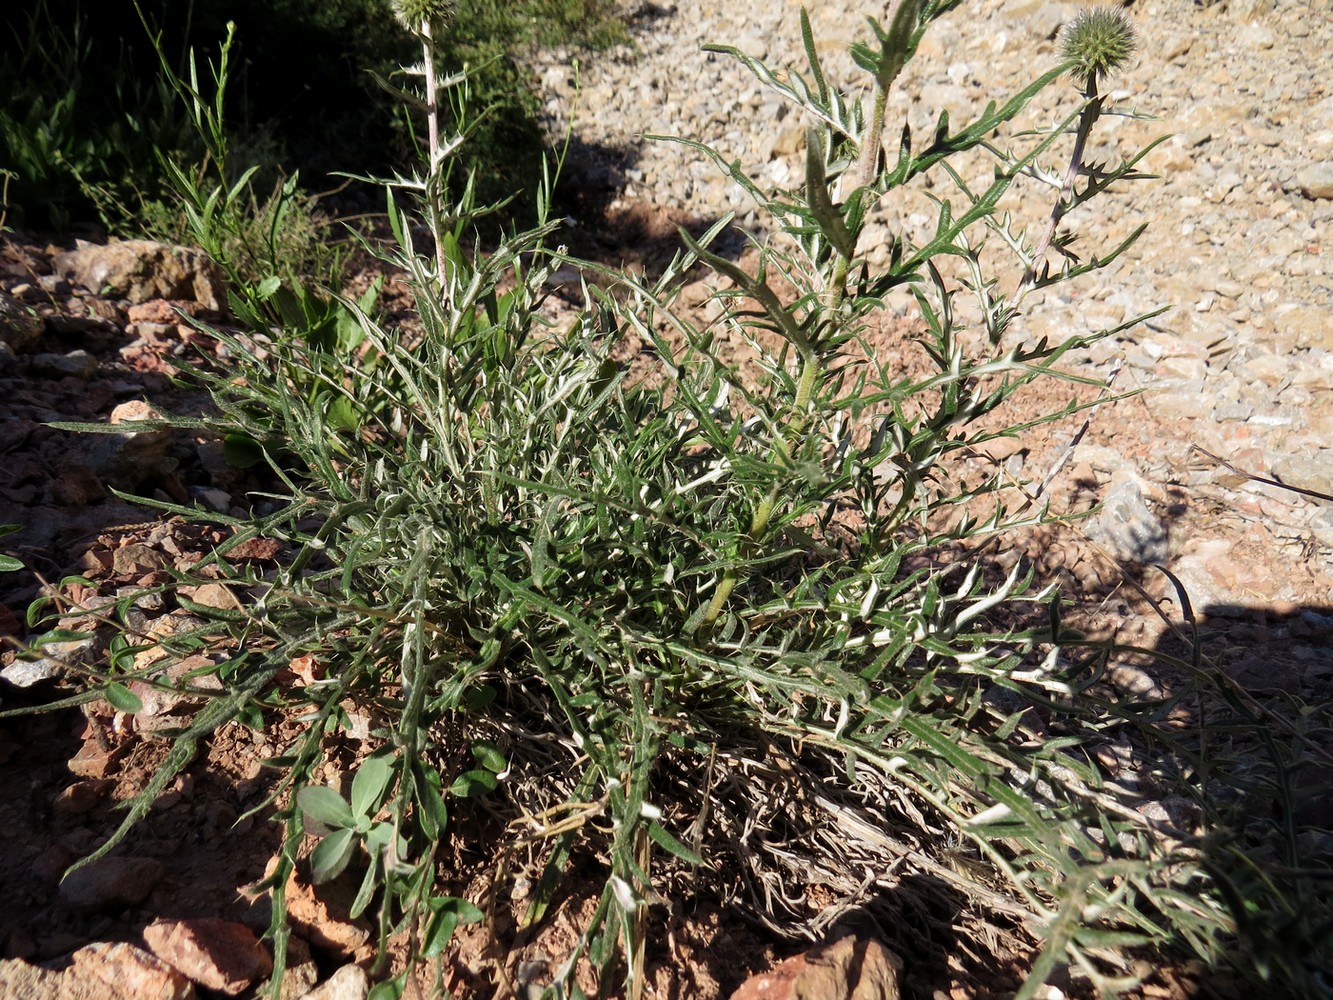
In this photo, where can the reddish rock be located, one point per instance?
(95, 760)
(82, 796)
(110, 883)
(130, 971)
(98, 972)
(320, 915)
(215, 953)
(851, 968)
(160, 311)
(256, 549)
(76, 486)
(136, 559)
(51, 863)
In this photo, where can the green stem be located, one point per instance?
(763, 512)
(835, 291)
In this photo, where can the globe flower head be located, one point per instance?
(1099, 41)
(413, 12)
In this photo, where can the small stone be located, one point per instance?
(1306, 326)
(77, 486)
(1316, 180)
(1186, 400)
(59, 656)
(218, 954)
(19, 981)
(301, 974)
(82, 797)
(130, 971)
(212, 595)
(348, 983)
(1321, 526)
(50, 865)
(75, 364)
(1306, 472)
(96, 761)
(1126, 525)
(131, 456)
(110, 883)
(320, 914)
(136, 559)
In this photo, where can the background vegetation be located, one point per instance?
(85, 117)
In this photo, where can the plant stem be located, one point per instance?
(433, 193)
(1092, 110)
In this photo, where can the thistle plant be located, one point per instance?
(594, 583)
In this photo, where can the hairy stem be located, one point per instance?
(1092, 110)
(434, 196)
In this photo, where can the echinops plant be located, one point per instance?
(566, 585)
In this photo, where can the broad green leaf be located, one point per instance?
(447, 913)
(366, 892)
(322, 804)
(390, 989)
(372, 778)
(434, 812)
(489, 756)
(341, 413)
(471, 783)
(241, 451)
(331, 855)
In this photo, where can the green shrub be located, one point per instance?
(566, 585)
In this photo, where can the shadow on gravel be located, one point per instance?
(1266, 775)
(616, 229)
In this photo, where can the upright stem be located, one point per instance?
(1086, 119)
(433, 192)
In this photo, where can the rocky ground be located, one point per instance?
(1219, 469)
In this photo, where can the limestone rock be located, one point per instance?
(1126, 525)
(141, 270)
(1307, 472)
(27, 673)
(1316, 180)
(348, 983)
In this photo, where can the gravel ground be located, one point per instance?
(1242, 364)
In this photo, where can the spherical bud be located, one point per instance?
(1099, 40)
(413, 12)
